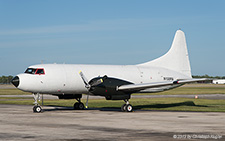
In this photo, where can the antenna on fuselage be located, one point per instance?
(42, 61)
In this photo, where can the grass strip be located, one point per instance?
(13, 92)
(164, 104)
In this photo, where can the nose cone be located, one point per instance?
(15, 81)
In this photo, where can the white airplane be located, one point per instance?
(114, 82)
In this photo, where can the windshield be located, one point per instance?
(35, 71)
(30, 71)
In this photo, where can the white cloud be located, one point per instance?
(105, 25)
(100, 25)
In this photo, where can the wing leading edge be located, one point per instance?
(143, 86)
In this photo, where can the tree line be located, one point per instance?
(207, 76)
(6, 79)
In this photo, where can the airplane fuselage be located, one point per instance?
(65, 78)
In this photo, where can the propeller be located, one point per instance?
(88, 85)
(85, 80)
(93, 82)
(86, 105)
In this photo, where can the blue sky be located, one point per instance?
(109, 32)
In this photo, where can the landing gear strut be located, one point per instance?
(37, 108)
(78, 105)
(126, 107)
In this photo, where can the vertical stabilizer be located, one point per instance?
(176, 58)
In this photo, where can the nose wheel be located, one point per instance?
(126, 107)
(37, 109)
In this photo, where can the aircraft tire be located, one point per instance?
(129, 108)
(75, 106)
(80, 106)
(37, 109)
(123, 107)
(34, 109)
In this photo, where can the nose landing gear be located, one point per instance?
(37, 108)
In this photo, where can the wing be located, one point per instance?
(143, 86)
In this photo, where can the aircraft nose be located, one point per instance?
(15, 81)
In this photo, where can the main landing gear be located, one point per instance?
(126, 107)
(78, 105)
(37, 108)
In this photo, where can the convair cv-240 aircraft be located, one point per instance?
(114, 82)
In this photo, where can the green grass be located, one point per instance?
(196, 90)
(180, 104)
(165, 104)
(192, 91)
(9, 98)
(170, 104)
(12, 92)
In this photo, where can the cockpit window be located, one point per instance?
(40, 71)
(30, 71)
(35, 71)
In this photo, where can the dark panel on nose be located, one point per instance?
(15, 81)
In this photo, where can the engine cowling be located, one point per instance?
(107, 86)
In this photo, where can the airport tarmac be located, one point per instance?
(18, 122)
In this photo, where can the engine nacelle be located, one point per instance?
(107, 86)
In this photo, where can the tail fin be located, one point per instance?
(176, 58)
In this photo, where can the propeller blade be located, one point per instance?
(86, 105)
(84, 79)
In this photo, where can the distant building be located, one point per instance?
(219, 81)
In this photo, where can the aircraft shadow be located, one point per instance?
(154, 106)
(137, 107)
(56, 108)
(61, 108)
(186, 103)
(158, 106)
